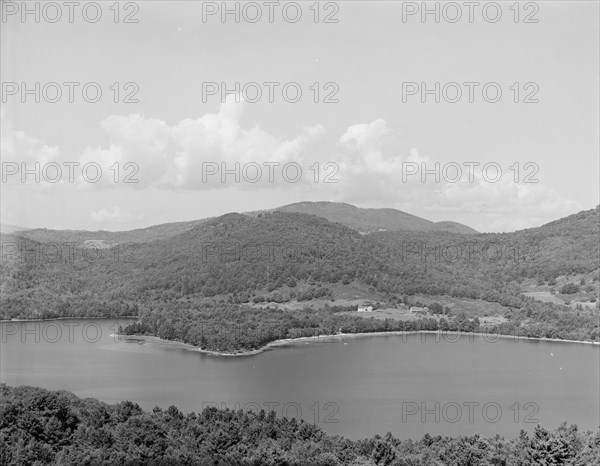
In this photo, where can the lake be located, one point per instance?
(352, 386)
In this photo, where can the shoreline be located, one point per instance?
(5, 321)
(292, 341)
(339, 336)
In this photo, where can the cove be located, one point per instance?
(352, 386)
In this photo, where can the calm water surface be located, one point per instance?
(357, 387)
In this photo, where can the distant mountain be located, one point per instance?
(454, 227)
(361, 220)
(140, 235)
(4, 228)
(371, 220)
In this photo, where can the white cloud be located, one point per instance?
(183, 155)
(372, 177)
(115, 215)
(17, 146)
(175, 157)
(365, 136)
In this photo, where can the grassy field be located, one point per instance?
(544, 296)
(382, 314)
(485, 311)
(586, 297)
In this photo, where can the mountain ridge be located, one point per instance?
(240, 257)
(362, 220)
(369, 220)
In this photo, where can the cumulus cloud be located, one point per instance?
(214, 151)
(17, 146)
(422, 185)
(114, 215)
(365, 136)
(215, 143)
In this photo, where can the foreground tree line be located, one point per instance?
(40, 427)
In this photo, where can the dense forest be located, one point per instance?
(286, 256)
(230, 328)
(369, 220)
(213, 273)
(40, 427)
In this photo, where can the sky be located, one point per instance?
(489, 118)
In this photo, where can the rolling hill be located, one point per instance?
(139, 235)
(371, 220)
(361, 220)
(281, 256)
(4, 228)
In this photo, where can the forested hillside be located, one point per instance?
(371, 220)
(40, 427)
(230, 328)
(235, 260)
(140, 235)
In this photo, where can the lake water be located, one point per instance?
(356, 386)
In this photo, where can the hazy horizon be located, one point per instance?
(4, 225)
